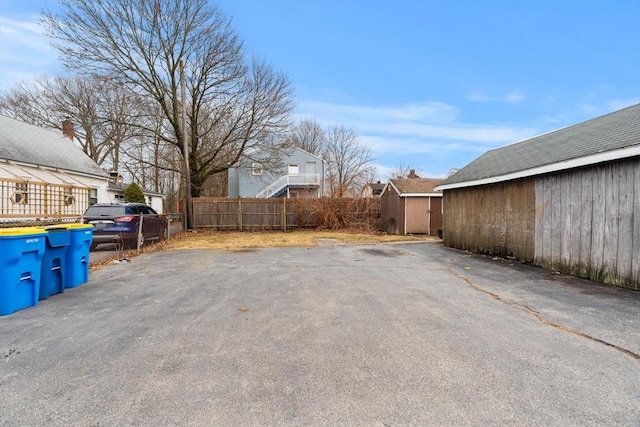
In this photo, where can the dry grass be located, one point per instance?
(241, 240)
(236, 240)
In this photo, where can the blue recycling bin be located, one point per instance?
(21, 252)
(54, 265)
(77, 262)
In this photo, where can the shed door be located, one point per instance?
(417, 215)
(435, 215)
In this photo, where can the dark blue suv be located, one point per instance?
(118, 223)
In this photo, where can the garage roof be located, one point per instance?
(609, 137)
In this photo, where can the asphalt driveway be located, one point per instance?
(386, 335)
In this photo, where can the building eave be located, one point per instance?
(623, 153)
(420, 195)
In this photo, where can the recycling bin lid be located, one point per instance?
(77, 225)
(57, 227)
(21, 231)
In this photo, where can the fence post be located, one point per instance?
(240, 213)
(139, 232)
(284, 214)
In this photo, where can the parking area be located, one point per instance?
(105, 251)
(386, 335)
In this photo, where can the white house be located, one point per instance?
(115, 194)
(44, 175)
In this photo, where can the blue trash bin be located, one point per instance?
(77, 271)
(54, 265)
(21, 251)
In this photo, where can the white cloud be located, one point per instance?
(24, 52)
(619, 104)
(428, 136)
(513, 97)
(411, 127)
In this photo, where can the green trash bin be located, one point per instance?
(77, 262)
(54, 265)
(21, 252)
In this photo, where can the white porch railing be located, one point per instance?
(288, 180)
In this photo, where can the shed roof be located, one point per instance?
(612, 136)
(415, 186)
(376, 186)
(25, 143)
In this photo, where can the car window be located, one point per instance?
(134, 210)
(107, 211)
(146, 210)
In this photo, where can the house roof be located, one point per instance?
(112, 186)
(415, 187)
(25, 143)
(610, 137)
(376, 186)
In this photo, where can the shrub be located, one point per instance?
(133, 194)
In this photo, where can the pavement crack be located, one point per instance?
(534, 313)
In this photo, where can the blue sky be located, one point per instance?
(429, 84)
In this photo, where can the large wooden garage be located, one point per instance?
(568, 201)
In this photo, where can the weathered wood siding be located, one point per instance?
(392, 221)
(588, 223)
(495, 219)
(435, 215)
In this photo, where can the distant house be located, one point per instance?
(298, 174)
(44, 175)
(115, 193)
(568, 200)
(372, 189)
(411, 206)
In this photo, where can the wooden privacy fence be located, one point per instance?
(284, 214)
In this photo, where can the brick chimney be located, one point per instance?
(67, 129)
(412, 174)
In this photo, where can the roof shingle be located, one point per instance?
(416, 185)
(26, 143)
(613, 131)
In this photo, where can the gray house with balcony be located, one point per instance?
(296, 174)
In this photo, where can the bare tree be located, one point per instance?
(103, 112)
(309, 136)
(348, 162)
(232, 106)
(403, 171)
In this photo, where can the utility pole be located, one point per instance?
(185, 150)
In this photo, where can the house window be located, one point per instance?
(20, 196)
(294, 170)
(256, 169)
(67, 198)
(93, 196)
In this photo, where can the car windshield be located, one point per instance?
(109, 211)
